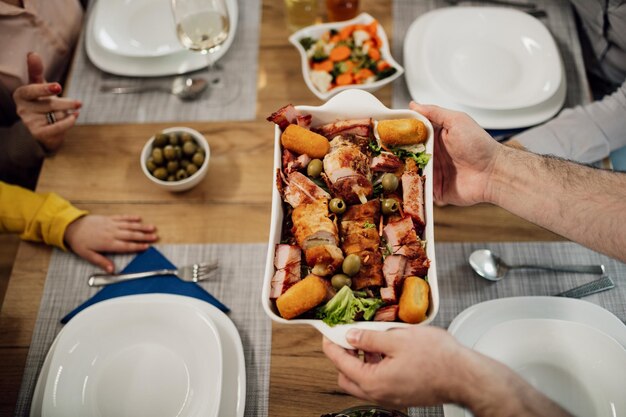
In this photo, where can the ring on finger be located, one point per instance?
(51, 118)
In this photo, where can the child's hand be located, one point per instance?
(91, 234)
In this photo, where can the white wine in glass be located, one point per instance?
(203, 26)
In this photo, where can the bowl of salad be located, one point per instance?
(342, 55)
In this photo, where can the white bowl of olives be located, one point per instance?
(176, 159)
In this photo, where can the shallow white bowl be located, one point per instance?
(351, 104)
(187, 183)
(315, 31)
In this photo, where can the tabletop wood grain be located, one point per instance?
(98, 169)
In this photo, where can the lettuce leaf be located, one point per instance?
(345, 305)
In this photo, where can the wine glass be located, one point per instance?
(203, 26)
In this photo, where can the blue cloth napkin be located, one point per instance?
(149, 260)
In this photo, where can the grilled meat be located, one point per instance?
(361, 127)
(287, 263)
(300, 190)
(285, 116)
(402, 240)
(291, 163)
(348, 170)
(325, 259)
(385, 162)
(413, 193)
(388, 313)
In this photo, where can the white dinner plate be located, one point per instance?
(233, 400)
(491, 57)
(424, 90)
(574, 364)
(471, 324)
(175, 63)
(135, 356)
(139, 28)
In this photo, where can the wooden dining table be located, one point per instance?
(98, 169)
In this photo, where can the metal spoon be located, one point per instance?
(181, 87)
(489, 266)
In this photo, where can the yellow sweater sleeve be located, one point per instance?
(35, 217)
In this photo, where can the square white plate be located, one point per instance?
(135, 356)
(351, 104)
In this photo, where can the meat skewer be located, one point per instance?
(348, 170)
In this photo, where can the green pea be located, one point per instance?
(340, 280)
(337, 206)
(390, 182)
(390, 206)
(315, 168)
(351, 265)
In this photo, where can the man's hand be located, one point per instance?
(35, 100)
(417, 362)
(89, 235)
(464, 156)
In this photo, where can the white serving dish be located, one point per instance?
(137, 28)
(577, 366)
(316, 31)
(233, 401)
(474, 322)
(424, 89)
(492, 57)
(154, 66)
(350, 104)
(187, 183)
(135, 356)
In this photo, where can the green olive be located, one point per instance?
(157, 156)
(390, 205)
(160, 140)
(189, 148)
(337, 206)
(340, 280)
(390, 182)
(150, 164)
(181, 174)
(160, 173)
(171, 178)
(169, 153)
(191, 169)
(351, 265)
(174, 140)
(172, 167)
(184, 163)
(198, 158)
(186, 137)
(315, 168)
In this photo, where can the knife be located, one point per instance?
(599, 285)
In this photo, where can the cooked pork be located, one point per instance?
(348, 170)
(301, 190)
(385, 162)
(361, 127)
(413, 193)
(287, 263)
(285, 116)
(388, 313)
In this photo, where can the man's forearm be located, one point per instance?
(584, 204)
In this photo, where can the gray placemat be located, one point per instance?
(560, 21)
(238, 286)
(241, 59)
(460, 288)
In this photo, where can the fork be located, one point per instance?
(190, 273)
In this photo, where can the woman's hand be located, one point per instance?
(92, 234)
(464, 159)
(46, 116)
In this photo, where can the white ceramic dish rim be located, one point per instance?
(567, 345)
(172, 64)
(100, 312)
(350, 104)
(118, 16)
(474, 321)
(226, 329)
(315, 31)
(422, 90)
(515, 20)
(188, 182)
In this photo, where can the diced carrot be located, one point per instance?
(340, 53)
(370, 44)
(348, 65)
(377, 41)
(360, 27)
(374, 54)
(382, 65)
(344, 79)
(346, 32)
(335, 39)
(326, 65)
(363, 74)
(372, 28)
